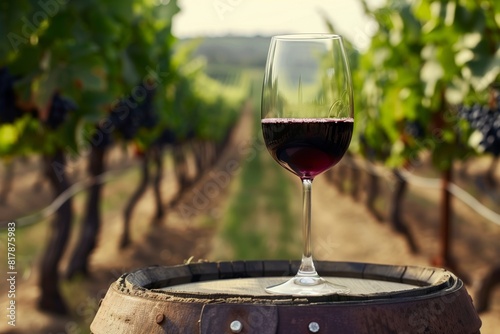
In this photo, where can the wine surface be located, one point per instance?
(307, 146)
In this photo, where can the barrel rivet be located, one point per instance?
(159, 318)
(236, 326)
(313, 327)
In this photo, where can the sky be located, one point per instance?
(271, 17)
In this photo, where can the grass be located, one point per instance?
(237, 231)
(260, 222)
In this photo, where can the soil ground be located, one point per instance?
(343, 230)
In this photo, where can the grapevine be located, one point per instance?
(131, 114)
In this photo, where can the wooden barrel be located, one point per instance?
(229, 297)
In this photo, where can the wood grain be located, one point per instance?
(256, 286)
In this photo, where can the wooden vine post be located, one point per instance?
(444, 258)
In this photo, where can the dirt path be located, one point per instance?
(344, 230)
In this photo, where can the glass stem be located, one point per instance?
(307, 266)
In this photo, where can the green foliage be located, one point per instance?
(234, 51)
(91, 51)
(97, 53)
(426, 57)
(202, 106)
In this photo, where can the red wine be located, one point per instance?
(307, 146)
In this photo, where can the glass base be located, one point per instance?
(307, 286)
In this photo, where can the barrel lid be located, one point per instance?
(244, 281)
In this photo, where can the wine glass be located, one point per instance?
(307, 122)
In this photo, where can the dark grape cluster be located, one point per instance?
(148, 118)
(130, 114)
(166, 137)
(485, 119)
(415, 129)
(8, 110)
(59, 108)
(125, 118)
